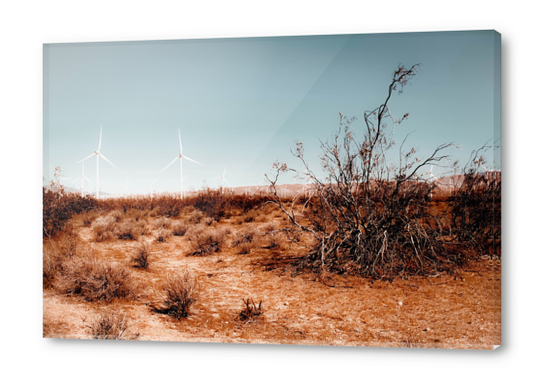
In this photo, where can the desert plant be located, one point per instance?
(104, 228)
(250, 312)
(95, 280)
(162, 222)
(179, 228)
(118, 215)
(205, 240)
(275, 240)
(367, 217)
(140, 257)
(163, 234)
(475, 208)
(179, 293)
(59, 206)
(89, 217)
(109, 326)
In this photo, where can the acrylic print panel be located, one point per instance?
(312, 190)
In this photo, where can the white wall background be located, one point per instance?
(26, 25)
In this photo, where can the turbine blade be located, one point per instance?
(190, 159)
(217, 178)
(177, 157)
(91, 155)
(100, 144)
(107, 160)
(227, 182)
(224, 174)
(180, 143)
(76, 179)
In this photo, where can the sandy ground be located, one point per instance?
(439, 312)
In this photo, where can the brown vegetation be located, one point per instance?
(363, 258)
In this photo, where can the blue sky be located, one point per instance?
(244, 102)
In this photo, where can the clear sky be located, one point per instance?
(244, 102)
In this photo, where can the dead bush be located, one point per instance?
(95, 280)
(196, 216)
(89, 217)
(118, 215)
(244, 235)
(162, 222)
(246, 247)
(269, 227)
(110, 326)
(250, 216)
(205, 240)
(180, 292)
(275, 240)
(207, 221)
(179, 228)
(136, 214)
(140, 257)
(104, 228)
(251, 312)
(163, 234)
(55, 254)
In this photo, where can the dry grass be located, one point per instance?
(110, 326)
(95, 279)
(179, 228)
(162, 223)
(251, 312)
(163, 234)
(300, 307)
(140, 257)
(205, 240)
(179, 293)
(104, 228)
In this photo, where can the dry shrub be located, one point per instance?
(251, 312)
(179, 228)
(55, 255)
(180, 291)
(162, 222)
(269, 227)
(104, 228)
(126, 230)
(275, 240)
(118, 215)
(140, 257)
(89, 217)
(95, 280)
(205, 240)
(196, 216)
(207, 221)
(163, 234)
(110, 326)
(246, 247)
(247, 239)
(136, 214)
(250, 216)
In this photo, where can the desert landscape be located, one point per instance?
(359, 240)
(234, 275)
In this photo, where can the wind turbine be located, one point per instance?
(180, 158)
(126, 186)
(82, 177)
(98, 155)
(223, 178)
(152, 184)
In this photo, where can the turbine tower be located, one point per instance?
(82, 177)
(152, 184)
(180, 158)
(98, 155)
(223, 178)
